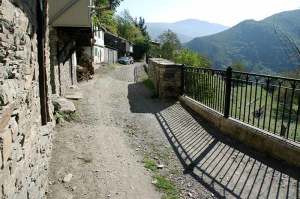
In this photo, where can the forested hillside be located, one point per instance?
(270, 45)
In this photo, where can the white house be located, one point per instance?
(96, 50)
(99, 45)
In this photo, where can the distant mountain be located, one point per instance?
(186, 29)
(267, 45)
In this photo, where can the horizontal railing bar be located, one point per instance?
(271, 103)
(244, 73)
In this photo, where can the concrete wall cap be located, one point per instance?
(162, 61)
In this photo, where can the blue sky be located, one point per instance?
(226, 12)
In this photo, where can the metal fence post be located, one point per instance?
(228, 91)
(182, 79)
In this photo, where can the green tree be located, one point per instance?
(154, 51)
(170, 44)
(238, 66)
(107, 4)
(135, 31)
(190, 58)
(104, 14)
(107, 20)
(127, 28)
(141, 24)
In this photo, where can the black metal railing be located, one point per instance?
(268, 102)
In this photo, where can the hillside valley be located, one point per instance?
(270, 45)
(186, 29)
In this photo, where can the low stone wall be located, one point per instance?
(25, 144)
(166, 77)
(256, 138)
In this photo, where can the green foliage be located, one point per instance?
(154, 51)
(127, 28)
(190, 58)
(171, 49)
(141, 24)
(135, 31)
(267, 44)
(104, 14)
(170, 44)
(106, 20)
(238, 66)
(165, 185)
(108, 4)
(69, 117)
(150, 164)
(140, 48)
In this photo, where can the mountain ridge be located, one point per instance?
(269, 44)
(185, 29)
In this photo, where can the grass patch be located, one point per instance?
(60, 116)
(166, 186)
(150, 164)
(161, 183)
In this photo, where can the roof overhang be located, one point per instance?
(70, 13)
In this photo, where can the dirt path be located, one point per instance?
(121, 125)
(95, 149)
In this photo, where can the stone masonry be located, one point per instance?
(166, 77)
(63, 62)
(25, 144)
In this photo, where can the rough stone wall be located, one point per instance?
(25, 145)
(63, 69)
(166, 77)
(65, 73)
(54, 66)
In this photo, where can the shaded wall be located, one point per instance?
(25, 144)
(63, 61)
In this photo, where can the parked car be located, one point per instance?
(126, 60)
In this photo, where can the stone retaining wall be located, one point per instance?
(256, 138)
(25, 144)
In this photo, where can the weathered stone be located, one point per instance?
(1, 162)
(68, 178)
(5, 115)
(75, 95)
(5, 145)
(63, 105)
(13, 125)
(8, 91)
(24, 144)
(21, 54)
(166, 77)
(160, 166)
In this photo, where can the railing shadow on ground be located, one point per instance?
(224, 166)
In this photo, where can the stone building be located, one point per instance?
(41, 44)
(70, 35)
(26, 112)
